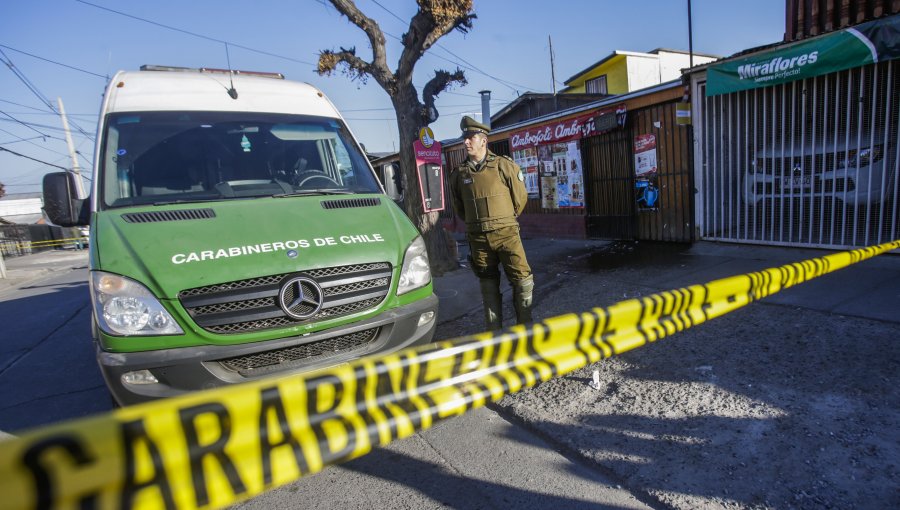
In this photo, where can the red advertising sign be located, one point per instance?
(571, 129)
(644, 154)
(429, 170)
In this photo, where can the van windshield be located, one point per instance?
(171, 157)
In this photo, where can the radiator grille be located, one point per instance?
(251, 364)
(249, 305)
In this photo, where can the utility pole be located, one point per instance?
(79, 184)
(552, 68)
(690, 35)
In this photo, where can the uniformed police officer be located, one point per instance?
(489, 192)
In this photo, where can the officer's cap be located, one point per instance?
(471, 126)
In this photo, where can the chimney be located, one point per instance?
(486, 107)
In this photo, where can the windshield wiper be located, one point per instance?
(313, 192)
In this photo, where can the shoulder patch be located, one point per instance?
(509, 158)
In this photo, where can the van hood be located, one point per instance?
(176, 247)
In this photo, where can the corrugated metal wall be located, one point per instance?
(809, 163)
(806, 18)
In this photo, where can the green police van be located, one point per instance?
(237, 231)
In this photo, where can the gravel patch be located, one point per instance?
(771, 406)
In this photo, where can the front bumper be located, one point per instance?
(184, 370)
(849, 186)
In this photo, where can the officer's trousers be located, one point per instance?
(488, 251)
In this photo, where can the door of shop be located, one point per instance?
(670, 217)
(609, 185)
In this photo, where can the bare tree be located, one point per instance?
(434, 19)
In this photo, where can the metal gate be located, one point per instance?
(672, 218)
(809, 163)
(609, 185)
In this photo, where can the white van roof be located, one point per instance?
(179, 89)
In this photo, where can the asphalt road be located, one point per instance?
(47, 368)
(48, 374)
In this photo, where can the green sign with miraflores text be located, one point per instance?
(863, 44)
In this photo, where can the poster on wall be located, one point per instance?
(646, 182)
(528, 161)
(569, 185)
(561, 178)
(548, 176)
(549, 156)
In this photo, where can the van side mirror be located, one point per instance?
(393, 181)
(60, 203)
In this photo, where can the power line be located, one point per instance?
(466, 63)
(120, 13)
(392, 109)
(22, 105)
(48, 149)
(23, 123)
(43, 113)
(34, 90)
(29, 157)
(208, 38)
(19, 139)
(36, 124)
(55, 62)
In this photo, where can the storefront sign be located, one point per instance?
(863, 44)
(609, 119)
(571, 129)
(682, 114)
(550, 157)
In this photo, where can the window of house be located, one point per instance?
(596, 85)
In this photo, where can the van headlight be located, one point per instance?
(416, 271)
(125, 307)
(863, 157)
(866, 157)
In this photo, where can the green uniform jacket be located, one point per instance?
(490, 196)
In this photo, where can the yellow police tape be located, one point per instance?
(210, 449)
(51, 242)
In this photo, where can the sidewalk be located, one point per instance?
(25, 269)
(869, 289)
(460, 294)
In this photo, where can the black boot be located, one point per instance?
(493, 303)
(523, 291)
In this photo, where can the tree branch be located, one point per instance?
(357, 68)
(378, 68)
(442, 81)
(368, 25)
(434, 19)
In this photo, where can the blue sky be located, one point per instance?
(67, 49)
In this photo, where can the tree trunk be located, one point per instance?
(442, 253)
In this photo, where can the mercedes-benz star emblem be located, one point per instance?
(300, 297)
